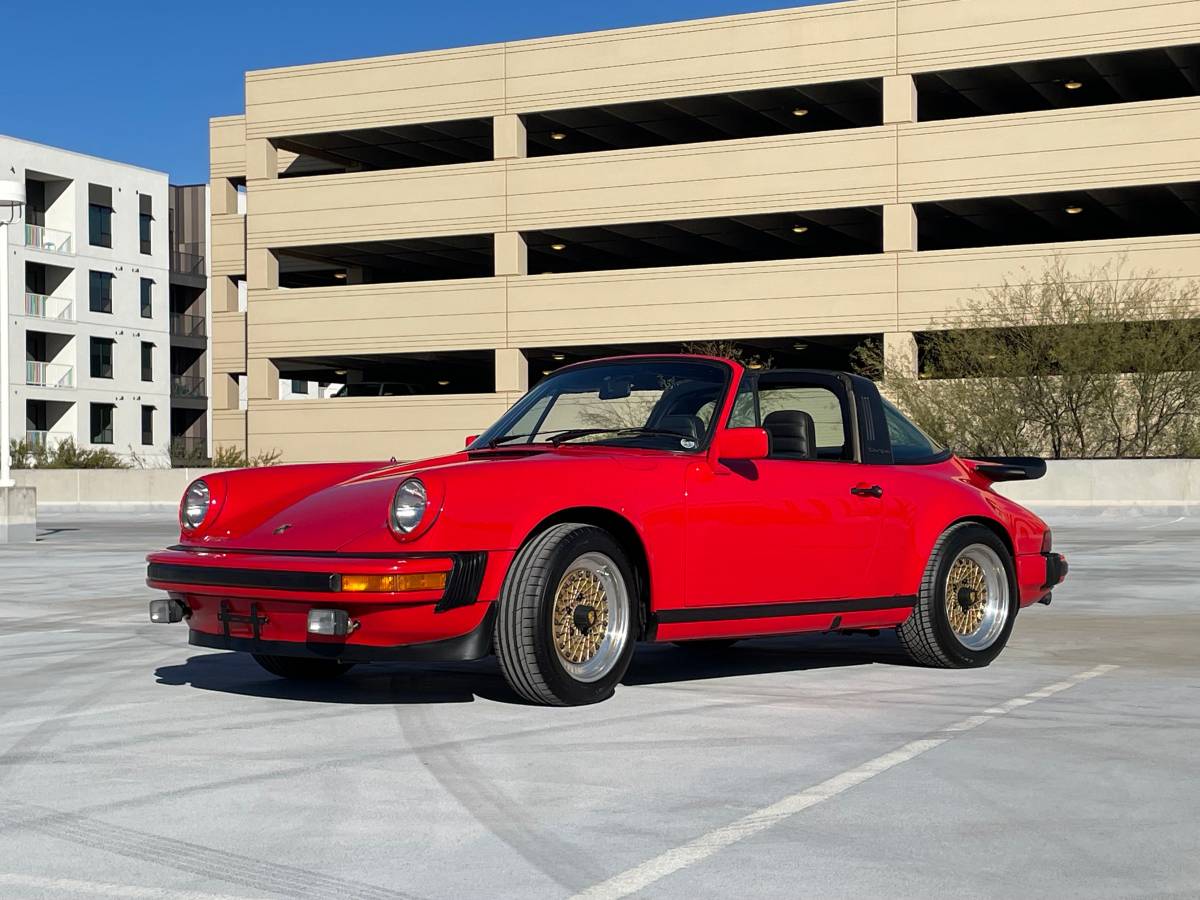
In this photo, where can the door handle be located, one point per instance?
(867, 490)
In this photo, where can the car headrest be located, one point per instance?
(793, 434)
(687, 426)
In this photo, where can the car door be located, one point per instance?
(800, 525)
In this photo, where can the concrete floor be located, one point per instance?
(132, 765)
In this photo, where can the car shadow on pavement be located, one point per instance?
(412, 683)
(669, 663)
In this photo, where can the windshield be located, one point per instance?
(651, 403)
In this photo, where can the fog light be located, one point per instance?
(329, 621)
(166, 611)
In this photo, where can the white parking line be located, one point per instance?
(1160, 524)
(640, 877)
(105, 889)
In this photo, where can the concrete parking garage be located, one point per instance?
(132, 765)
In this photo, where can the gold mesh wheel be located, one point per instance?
(976, 597)
(588, 619)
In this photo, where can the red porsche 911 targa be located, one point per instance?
(657, 498)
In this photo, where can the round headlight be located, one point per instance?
(408, 506)
(195, 505)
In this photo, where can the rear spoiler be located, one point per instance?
(1009, 468)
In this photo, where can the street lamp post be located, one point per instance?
(12, 200)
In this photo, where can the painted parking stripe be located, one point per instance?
(641, 877)
(106, 889)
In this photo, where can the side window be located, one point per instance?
(786, 412)
(909, 443)
(742, 414)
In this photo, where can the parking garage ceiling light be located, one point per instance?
(1074, 210)
(1073, 85)
(340, 276)
(559, 357)
(799, 229)
(558, 136)
(799, 112)
(558, 246)
(443, 383)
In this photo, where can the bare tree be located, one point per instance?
(1104, 363)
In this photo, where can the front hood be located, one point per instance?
(351, 514)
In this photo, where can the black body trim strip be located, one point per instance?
(475, 644)
(781, 610)
(313, 582)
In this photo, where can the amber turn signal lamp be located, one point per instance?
(393, 584)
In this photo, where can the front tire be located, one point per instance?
(967, 604)
(565, 628)
(300, 669)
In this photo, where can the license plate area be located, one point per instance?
(254, 620)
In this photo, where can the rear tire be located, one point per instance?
(565, 626)
(967, 604)
(300, 669)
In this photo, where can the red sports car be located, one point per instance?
(656, 498)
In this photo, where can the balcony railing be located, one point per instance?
(47, 439)
(43, 238)
(45, 374)
(187, 325)
(188, 386)
(185, 260)
(42, 306)
(189, 447)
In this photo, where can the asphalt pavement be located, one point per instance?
(133, 765)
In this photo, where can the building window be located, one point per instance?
(102, 423)
(147, 361)
(147, 425)
(102, 364)
(145, 220)
(100, 292)
(100, 213)
(299, 387)
(147, 298)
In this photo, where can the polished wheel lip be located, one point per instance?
(976, 594)
(593, 591)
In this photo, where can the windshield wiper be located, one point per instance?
(587, 432)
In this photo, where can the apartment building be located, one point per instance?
(189, 324)
(88, 292)
(431, 233)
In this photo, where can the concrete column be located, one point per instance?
(512, 371)
(512, 255)
(262, 160)
(18, 513)
(225, 392)
(900, 355)
(263, 378)
(508, 138)
(262, 270)
(899, 99)
(223, 197)
(224, 294)
(899, 228)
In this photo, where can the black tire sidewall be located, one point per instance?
(957, 542)
(587, 539)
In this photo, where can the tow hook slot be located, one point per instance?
(1045, 601)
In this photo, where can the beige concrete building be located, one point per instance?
(419, 237)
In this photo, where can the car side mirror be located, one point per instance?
(471, 438)
(743, 443)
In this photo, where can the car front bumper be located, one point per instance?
(260, 603)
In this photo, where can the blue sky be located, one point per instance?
(137, 81)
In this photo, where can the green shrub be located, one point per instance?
(64, 455)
